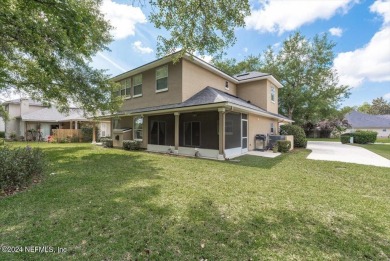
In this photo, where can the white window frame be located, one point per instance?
(158, 78)
(139, 129)
(125, 84)
(273, 92)
(134, 82)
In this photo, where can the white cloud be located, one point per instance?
(286, 15)
(386, 96)
(336, 31)
(122, 17)
(137, 46)
(371, 62)
(206, 58)
(245, 49)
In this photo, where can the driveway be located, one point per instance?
(335, 151)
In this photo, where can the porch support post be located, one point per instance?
(71, 125)
(177, 119)
(93, 133)
(221, 131)
(75, 125)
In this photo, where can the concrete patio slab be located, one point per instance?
(336, 151)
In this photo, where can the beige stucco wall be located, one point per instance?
(195, 78)
(259, 94)
(149, 95)
(259, 125)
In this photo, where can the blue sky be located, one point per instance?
(361, 30)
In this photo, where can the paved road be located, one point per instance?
(335, 151)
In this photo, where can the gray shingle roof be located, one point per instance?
(208, 95)
(53, 115)
(362, 120)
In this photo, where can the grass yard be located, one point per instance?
(380, 149)
(110, 204)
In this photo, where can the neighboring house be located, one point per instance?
(26, 114)
(190, 107)
(362, 121)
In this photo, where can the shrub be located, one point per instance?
(19, 167)
(283, 145)
(344, 138)
(300, 140)
(2, 134)
(107, 142)
(360, 137)
(87, 133)
(131, 145)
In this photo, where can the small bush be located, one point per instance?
(131, 145)
(359, 137)
(2, 134)
(19, 167)
(107, 142)
(87, 133)
(300, 140)
(283, 145)
(344, 138)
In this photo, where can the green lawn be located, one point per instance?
(380, 149)
(110, 204)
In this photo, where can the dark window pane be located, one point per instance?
(127, 91)
(244, 129)
(162, 83)
(187, 134)
(245, 116)
(123, 92)
(161, 133)
(138, 90)
(195, 133)
(154, 133)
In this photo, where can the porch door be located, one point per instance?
(244, 133)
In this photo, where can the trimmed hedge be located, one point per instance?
(19, 167)
(2, 134)
(300, 140)
(107, 142)
(283, 145)
(131, 145)
(359, 137)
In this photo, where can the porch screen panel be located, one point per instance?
(203, 127)
(233, 134)
(162, 130)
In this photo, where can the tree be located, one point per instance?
(45, 50)
(365, 107)
(379, 107)
(232, 67)
(204, 26)
(305, 69)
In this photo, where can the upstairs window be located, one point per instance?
(162, 79)
(124, 89)
(272, 128)
(137, 85)
(273, 93)
(226, 85)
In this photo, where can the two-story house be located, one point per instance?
(192, 108)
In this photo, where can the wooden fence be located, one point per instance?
(68, 135)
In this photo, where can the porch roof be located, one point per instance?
(209, 96)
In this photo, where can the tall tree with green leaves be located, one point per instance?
(232, 67)
(203, 26)
(304, 67)
(379, 106)
(45, 50)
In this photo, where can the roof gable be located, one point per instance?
(362, 120)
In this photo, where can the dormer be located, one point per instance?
(260, 89)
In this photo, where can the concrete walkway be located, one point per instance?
(335, 151)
